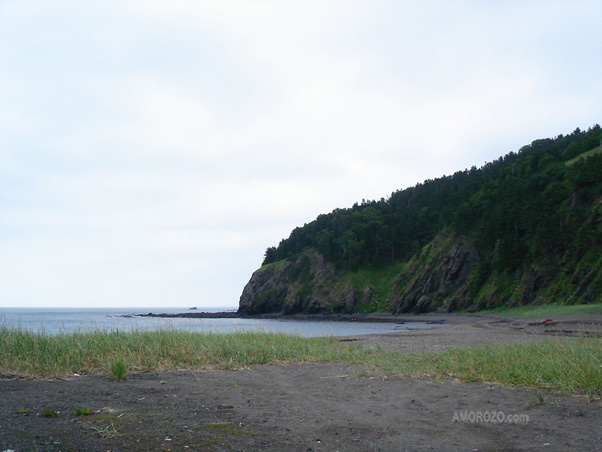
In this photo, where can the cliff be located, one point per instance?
(439, 278)
(307, 284)
(434, 280)
(524, 229)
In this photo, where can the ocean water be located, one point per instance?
(54, 321)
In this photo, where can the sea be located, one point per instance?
(71, 320)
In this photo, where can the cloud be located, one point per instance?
(150, 150)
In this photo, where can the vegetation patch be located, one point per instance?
(546, 310)
(49, 413)
(379, 282)
(40, 355)
(107, 423)
(594, 151)
(566, 366)
(119, 370)
(106, 430)
(85, 411)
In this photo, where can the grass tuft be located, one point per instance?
(119, 370)
(49, 413)
(81, 411)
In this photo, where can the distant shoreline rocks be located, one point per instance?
(278, 316)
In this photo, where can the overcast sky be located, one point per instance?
(150, 151)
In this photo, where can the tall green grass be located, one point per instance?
(546, 310)
(560, 365)
(28, 354)
(574, 365)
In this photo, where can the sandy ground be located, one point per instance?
(314, 407)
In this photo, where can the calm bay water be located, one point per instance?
(53, 321)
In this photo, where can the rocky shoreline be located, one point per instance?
(568, 325)
(372, 317)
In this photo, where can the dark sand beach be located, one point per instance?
(312, 407)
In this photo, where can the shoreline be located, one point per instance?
(565, 324)
(319, 406)
(432, 318)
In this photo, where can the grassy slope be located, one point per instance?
(584, 155)
(548, 310)
(381, 280)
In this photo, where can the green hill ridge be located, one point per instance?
(523, 229)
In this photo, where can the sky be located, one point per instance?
(150, 151)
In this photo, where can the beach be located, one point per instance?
(310, 407)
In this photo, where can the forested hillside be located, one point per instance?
(529, 226)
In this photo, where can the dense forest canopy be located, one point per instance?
(526, 205)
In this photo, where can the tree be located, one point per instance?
(271, 255)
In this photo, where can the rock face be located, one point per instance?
(436, 279)
(308, 284)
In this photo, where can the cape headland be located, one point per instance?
(523, 229)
